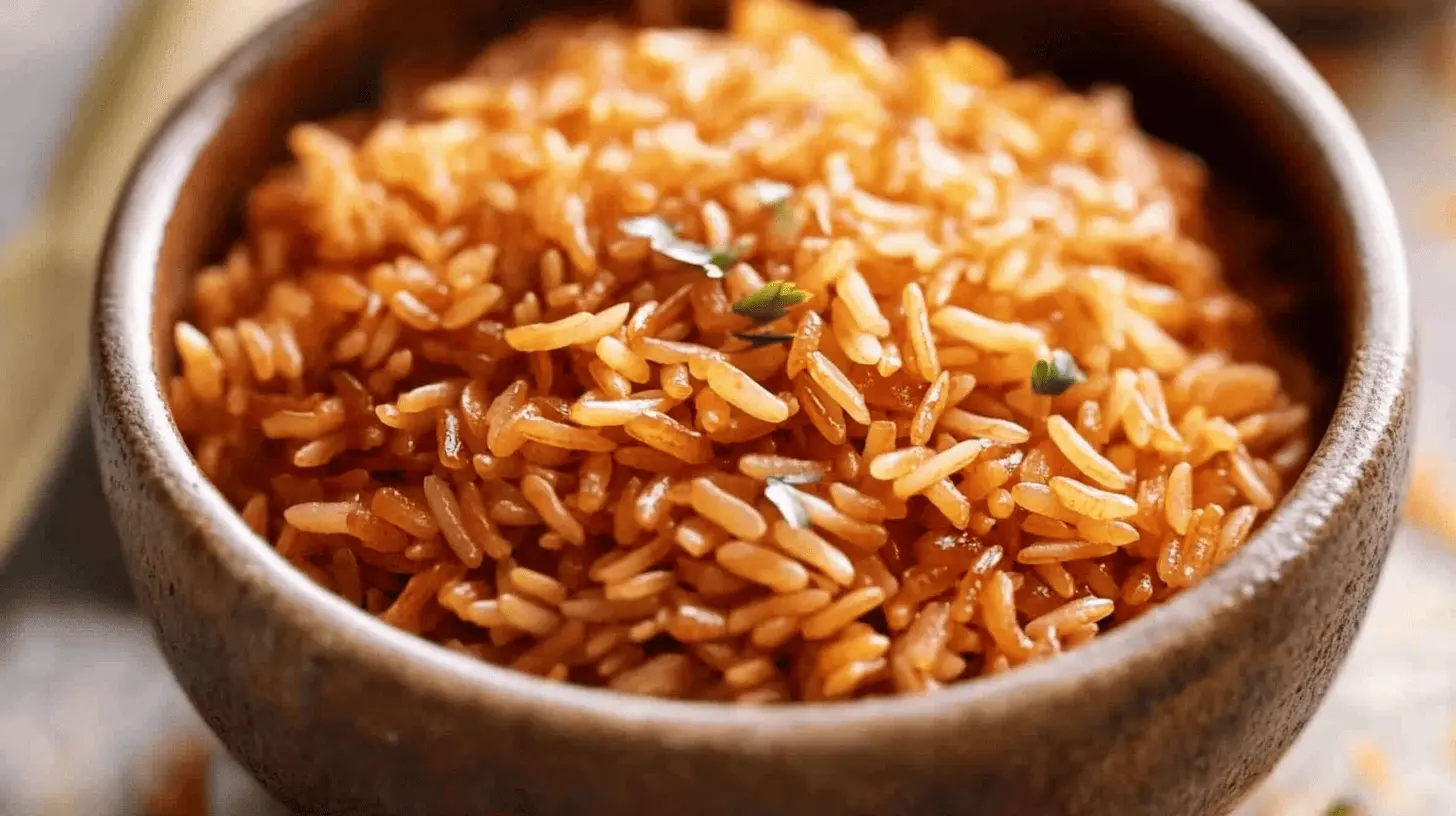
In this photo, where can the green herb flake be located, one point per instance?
(1345, 807)
(725, 258)
(771, 302)
(763, 338)
(783, 217)
(786, 499)
(1053, 377)
(775, 196)
(664, 241)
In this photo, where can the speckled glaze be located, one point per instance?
(1178, 712)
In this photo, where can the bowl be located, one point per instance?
(1327, 16)
(1178, 712)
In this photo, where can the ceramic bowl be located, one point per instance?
(1310, 17)
(1178, 712)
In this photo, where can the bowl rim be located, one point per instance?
(1370, 405)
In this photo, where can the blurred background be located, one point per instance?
(91, 724)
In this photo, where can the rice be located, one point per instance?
(642, 585)
(918, 333)
(838, 387)
(1082, 454)
(488, 372)
(446, 511)
(1054, 552)
(931, 409)
(553, 512)
(1178, 501)
(579, 328)
(788, 606)
(812, 549)
(320, 517)
(1090, 502)
(846, 680)
(743, 393)
(898, 463)
(729, 512)
(843, 611)
(988, 334)
(938, 467)
(762, 566)
(662, 432)
(203, 368)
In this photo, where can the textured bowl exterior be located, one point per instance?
(1335, 15)
(1178, 712)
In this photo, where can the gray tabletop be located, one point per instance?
(90, 719)
(46, 50)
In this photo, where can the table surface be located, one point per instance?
(91, 719)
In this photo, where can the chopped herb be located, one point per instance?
(1053, 377)
(763, 338)
(725, 258)
(686, 252)
(786, 499)
(651, 227)
(775, 196)
(664, 241)
(1344, 807)
(783, 217)
(771, 302)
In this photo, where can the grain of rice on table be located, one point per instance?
(479, 370)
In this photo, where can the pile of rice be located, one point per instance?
(451, 379)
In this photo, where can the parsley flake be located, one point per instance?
(775, 196)
(724, 258)
(763, 338)
(1053, 377)
(771, 302)
(664, 241)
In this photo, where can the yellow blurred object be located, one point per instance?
(1430, 501)
(46, 269)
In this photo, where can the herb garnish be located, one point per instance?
(1053, 377)
(785, 498)
(664, 241)
(763, 338)
(651, 227)
(724, 258)
(1344, 807)
(768, 304)
(775, 196)
(771, 302)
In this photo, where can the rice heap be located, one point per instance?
(478, 369)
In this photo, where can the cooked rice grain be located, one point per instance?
(447, 381)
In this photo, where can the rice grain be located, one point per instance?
(475, 365)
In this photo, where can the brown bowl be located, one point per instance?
(1321, 16)
(1178, 712)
